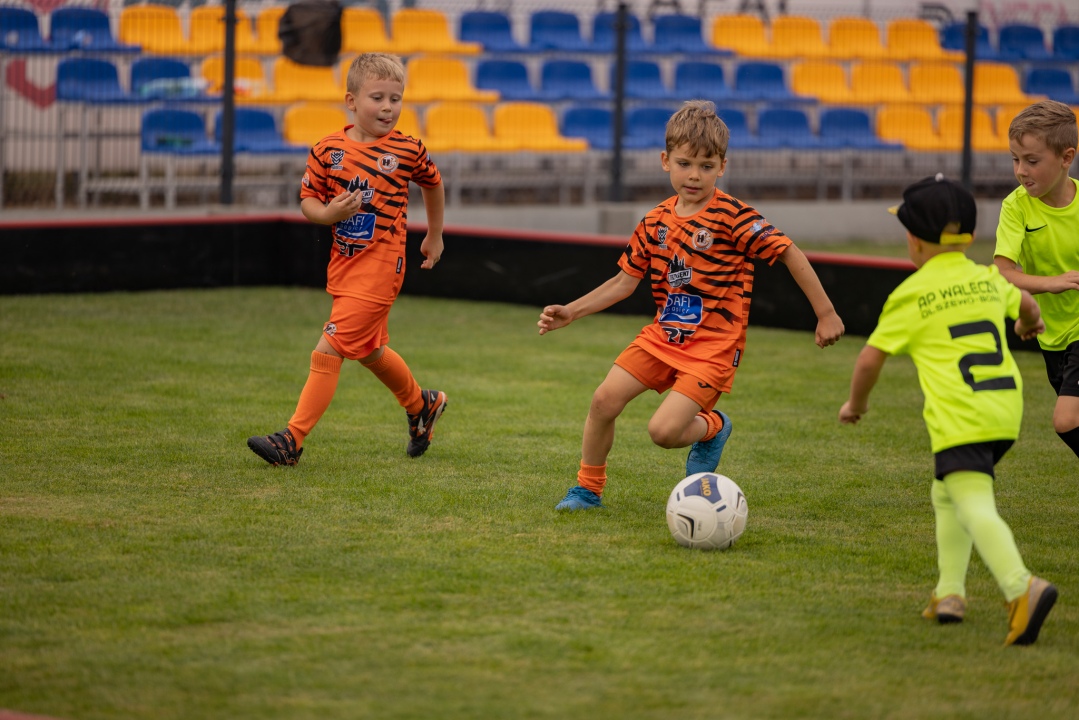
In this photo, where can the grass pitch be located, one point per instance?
(151, 566)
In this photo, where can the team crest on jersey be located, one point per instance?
(661, 236)
(387, 163)
(330, 329)
(702, 240)
(306, 180)
(366, 192)
(336, 156)
(677, 272)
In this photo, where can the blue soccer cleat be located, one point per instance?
(579, 498)
(704, 456)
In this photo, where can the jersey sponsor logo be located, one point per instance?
(661, 236)
(683, 308)
(387, 163)
(306, 180)
(336, 156)
(347, 234)
(737, 357)
(703, 239)
(760, 225)
(330, 329)
(1030, 229)
(367, 193)
(677, 272)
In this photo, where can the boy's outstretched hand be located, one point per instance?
(431, 248)
(829, 329)
(849, 415)
(552, 318)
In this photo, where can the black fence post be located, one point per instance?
(228, 110)
(968, 95)
(621, 24)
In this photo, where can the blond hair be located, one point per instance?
(374, 66)
(696, 124)
(1051, 121)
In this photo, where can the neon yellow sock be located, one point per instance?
(976, 510)
(953, 545)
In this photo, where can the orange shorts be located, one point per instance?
(357, 327)
(659, 376)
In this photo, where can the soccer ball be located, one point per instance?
(707, 511)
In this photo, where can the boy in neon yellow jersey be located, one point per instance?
(1038, 245)
(949, 317)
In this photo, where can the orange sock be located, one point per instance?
(592, 477)
(715, 424)
(392, 372)
(316, 395)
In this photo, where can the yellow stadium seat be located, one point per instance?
(307, 123)
(983, 136)
(461, 127)
(794, 36)
(851, 38)
(408, 122)
(911, 125)
(1004, 116)
(741, 34)
(998, 84)
(533, 126)
(416, 30)
(363, 30)
(206, 29)
(936, 83)
(822, 79)
(875, 82)
(432, 79)
(293, 82)
(264, 40)
(157, 28)
(250, 80)
(915, 39)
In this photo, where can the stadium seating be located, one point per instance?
(177, 131)
(784, 127)
(166, 78)
(874, 82)
(416, 30)
(532, 126)
(910, 125)
(250, 79)
(556, 30)
(157, 28)
(490, 29)
(953, 37)
(307, 123)
(86, 29)
(1019, 41)
(738, 125)
(824, 80)
(763, 81)
(595, 124)
(703, 80)
(363, 30)
(21, 33)
(90, 80)
(909, 39)
(603, 35)
(935, 83)
(1066, 43)
(679, 33)
(850, 128)
(255, 131)
(509, 78)
(854, 38)
(461, 127)
(644, 81)
(293, 82)
(568, 80)
(646, 127)
(206, 29)
(795, 36)
(983, 137)
(1004, 116)
(434, 78)
(1055, 83)
(408, 123)
(264, 40)
(998, 84)
(741, 35)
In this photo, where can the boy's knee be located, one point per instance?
(664, 435)
(605, 405)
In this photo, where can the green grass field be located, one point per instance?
(151, 566)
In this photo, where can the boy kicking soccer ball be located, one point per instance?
(949, 317)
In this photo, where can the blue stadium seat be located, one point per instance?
(681, 34)
(953, 37)
(568, 80)
(785, 127)
(603, 36)
(1066, 42)
(1054, 82)
(85, 28)
(489, 28)
(508, 77)
(704, 80)
(644, 81)
(90, 80)
(850, 128)
(738, 125)
(763, 81)
(166, 78)
(1018, 41)
(20, 32)
(595, 124)
(256, 132)
(171, 130)
(556, 30)
(646, 127)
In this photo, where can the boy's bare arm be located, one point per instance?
(620, 287)
(866, 372)
(1029, 324)
(1036, 284)
(829, 325)
(434, 203)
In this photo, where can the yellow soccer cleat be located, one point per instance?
(948, 609)
(1028, 611)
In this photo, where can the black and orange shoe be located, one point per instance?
(421, 427)
(276, 449)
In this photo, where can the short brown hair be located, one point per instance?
(696, 124)
(374, 66)
(1052, 121)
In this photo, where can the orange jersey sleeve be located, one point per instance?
(700, 268)
(367, 259)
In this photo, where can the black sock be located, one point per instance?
(1071, 439)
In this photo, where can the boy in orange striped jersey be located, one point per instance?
(696, 249)
(357, 182)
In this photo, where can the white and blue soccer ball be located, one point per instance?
(707, 511)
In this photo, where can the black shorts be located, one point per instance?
(976, 457)
(1062, 366)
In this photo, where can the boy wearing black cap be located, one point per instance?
(949, 317)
